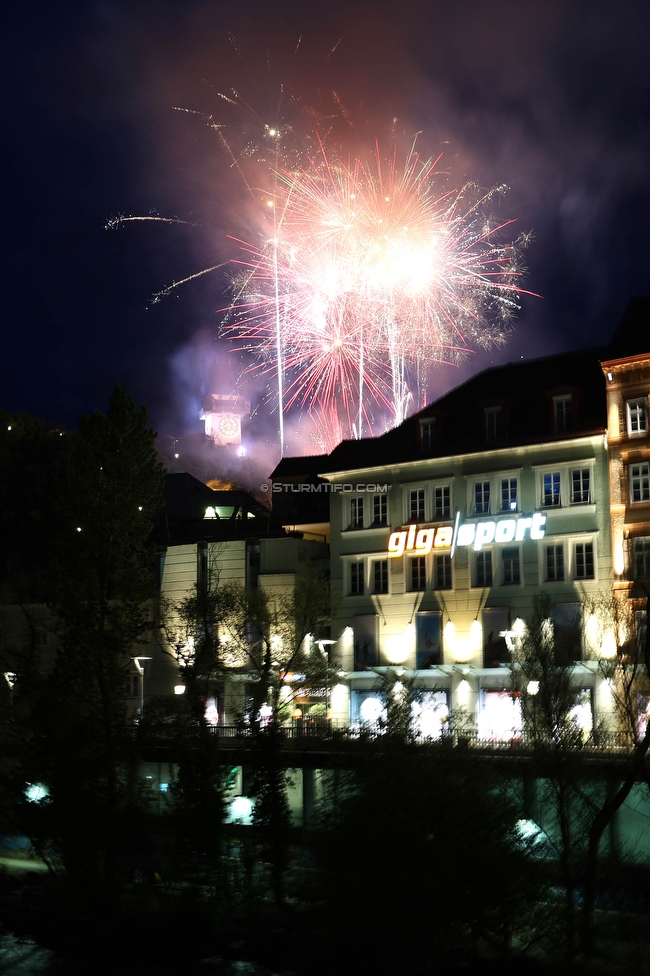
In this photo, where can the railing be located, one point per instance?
(331, 735)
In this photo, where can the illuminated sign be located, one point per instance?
(474, 534)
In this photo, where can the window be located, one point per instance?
(640, 632)
(637, 416)
(510, 564)
(584, 560)
(418, 573)
(356, 513)
(380, 509)
(554, 563)
(569, 484)
(493, 423)
(551, 489)
(133, 685)
(357, 587)
(441, 502)
(567, 632)
(640, 482)
(416, 505)
(380, 576)
(482, 497)
(563, 413)
(508, 494)
(442, 572)
(641, 557)
(483, 574)
(580, 486)
(427, 434)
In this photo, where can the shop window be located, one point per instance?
(365, 641)
(637, 416)
(554, 563)
(368, 709)
(500, 717)
(496, 623)
(640, 482)
(430, 715)
(428, 639)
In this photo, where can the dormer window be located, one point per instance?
(563, 413)
(637, 416)
(427, 434)
(493, 423)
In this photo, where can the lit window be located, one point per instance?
(427, 434)
(442, 572)
(554, 563)
(357, 587)
(418, 573)
(356, 513)
(640, 482)
(508, 494)
(441, 502)
(493, 423)
(580, 486)
(637, 416)
(380, 576)
(483, 568)
(380, 510)
(551, 489)
(510, 562)
(416, 505)
(563, 410)
(641, 557)
(584, 560)
(482, 497)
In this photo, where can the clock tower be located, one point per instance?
(222, 411)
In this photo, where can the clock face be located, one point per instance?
(228, 426)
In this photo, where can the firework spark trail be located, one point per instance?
(376, 276)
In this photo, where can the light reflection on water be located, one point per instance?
(22, 957)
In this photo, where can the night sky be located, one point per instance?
(551, 98)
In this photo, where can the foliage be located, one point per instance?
(424, 844)
(70, 731)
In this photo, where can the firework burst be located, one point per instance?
(366, 277)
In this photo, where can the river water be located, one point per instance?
(22, 957)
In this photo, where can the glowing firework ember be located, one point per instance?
(367, 279)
